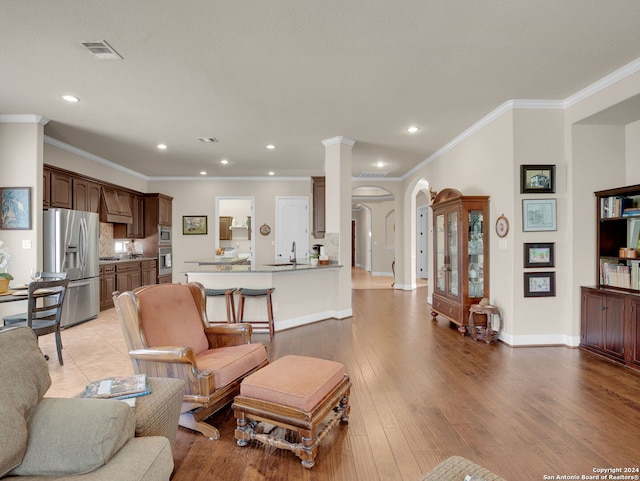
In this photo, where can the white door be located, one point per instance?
(292, 225)
(422, 232)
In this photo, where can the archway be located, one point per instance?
(374, 213)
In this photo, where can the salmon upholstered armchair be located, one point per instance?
(168, 335)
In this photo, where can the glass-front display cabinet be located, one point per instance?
(461, 254)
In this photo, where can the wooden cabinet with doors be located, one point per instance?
(609, 310)
(58, 189)
(461, 254)
(115, 207)
(128, 276)
(603, 322)
(318, 187)
(86, 195)
(225, 227)
(107, 285)
(149, 272)
(135, 230)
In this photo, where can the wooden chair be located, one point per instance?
(44, 310)
(168, 335)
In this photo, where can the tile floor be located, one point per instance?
(92, 350)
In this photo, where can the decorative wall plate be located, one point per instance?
(265, 229)
(502, 226)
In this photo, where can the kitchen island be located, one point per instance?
(303, 293)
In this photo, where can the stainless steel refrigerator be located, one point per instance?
(71, 246)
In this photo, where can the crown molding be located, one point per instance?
(269, 178)
(605, 82)
(93, 157)
(339, 140)
(23, 119)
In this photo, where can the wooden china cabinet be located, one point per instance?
(461, 254)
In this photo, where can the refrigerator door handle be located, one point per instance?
(83, 244)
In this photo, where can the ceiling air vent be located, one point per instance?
(102, 50)
(373, 175)
(208, 140)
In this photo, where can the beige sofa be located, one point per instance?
(64, 439)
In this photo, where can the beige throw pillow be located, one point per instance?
(75, 436)
(24, 378)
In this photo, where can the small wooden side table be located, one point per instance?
(487, 332)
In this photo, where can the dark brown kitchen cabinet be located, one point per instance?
(60, 190)
(86, 195)
(135, 230)
(149, 272)
(128, 276)
(115, 207)
(225, 227)
(318, 188)
(107, 285)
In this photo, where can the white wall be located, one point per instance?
(197, 197)
(21, 166)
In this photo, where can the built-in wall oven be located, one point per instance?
(164, 235)
(164, 261)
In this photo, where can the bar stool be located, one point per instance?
(255, 293)
(228, 294)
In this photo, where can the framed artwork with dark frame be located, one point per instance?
(15, 208)
(539, 284)
(194, 224)
(539, 254)
(537, 179)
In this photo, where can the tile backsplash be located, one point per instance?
(106, 245)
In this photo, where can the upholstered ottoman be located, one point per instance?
(158, 413)
(297, 393)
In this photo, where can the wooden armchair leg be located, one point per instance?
(188, 420)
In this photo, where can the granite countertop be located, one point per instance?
(116, 260)
(218, 260)
(267, 268)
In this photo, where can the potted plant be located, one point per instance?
(5, 277)
(313, 258)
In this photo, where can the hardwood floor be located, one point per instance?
(421, 392)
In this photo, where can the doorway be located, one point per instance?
(234, 225)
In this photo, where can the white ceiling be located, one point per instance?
(294, 73)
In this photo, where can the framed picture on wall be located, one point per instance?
(537, 179)
(539, 215)
(539, 254)
(194, 224)
(15, 208)
(539, 284)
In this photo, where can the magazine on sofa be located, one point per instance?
(119, 387)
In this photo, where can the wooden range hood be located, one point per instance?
(115, 207)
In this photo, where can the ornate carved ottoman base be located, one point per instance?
(302, 394)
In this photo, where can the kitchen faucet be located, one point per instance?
(293, 251)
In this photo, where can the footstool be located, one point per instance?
(158, 413)
(297, 393)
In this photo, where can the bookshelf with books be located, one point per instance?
(610, 323)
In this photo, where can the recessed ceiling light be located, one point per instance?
(224, 161)
(272, 173)
(162, 146)
(413, 129)
(380, 164)
(70, 98)
(203, 172)
(271, 146)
